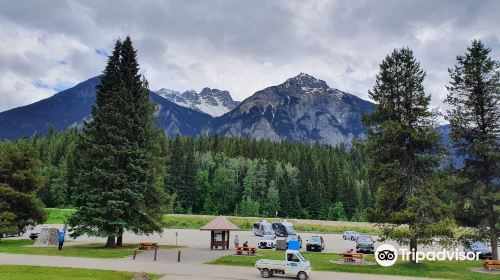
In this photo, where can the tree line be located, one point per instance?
(230, 176)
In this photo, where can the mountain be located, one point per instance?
(176, 119)
(62, 111)
(303, 109)
(69, 108)
(211, 101)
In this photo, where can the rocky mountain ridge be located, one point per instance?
(214, 102)
(302, 108)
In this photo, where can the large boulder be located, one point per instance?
(47, 237)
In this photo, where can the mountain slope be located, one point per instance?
(63, 110)
(176, 119)
(211, 101)
(302, 109)
(71, 107)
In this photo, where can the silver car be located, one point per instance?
(350, 235)
(267, 242)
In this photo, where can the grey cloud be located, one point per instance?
(245, 45)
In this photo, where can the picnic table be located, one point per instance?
(353, 257)
(249, 250)
(147, 245)
(491, 264)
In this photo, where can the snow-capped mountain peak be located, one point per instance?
(305, 82)
(165, 92)
(214, 102)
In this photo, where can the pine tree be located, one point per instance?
(271, 204)
(406, 151)
(18, 182)
(347, 193)
(224, 190)
(248, 207)
(118, 183)
(189, 177)
(337, 212)
(203, 190)
(474, 94)
(175, 183)
(316, 200)
(209, 207)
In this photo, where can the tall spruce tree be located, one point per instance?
(474, 94)
(176, 172)
(118, 181)
(18, 182)
(406, 152)
(189, 176)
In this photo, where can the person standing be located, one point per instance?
(60, 237)
(236, 241)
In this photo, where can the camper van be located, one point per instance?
(283, 228)
(262, 228)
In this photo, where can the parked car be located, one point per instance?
(294, 237)
(365, 244)
(283, 228)
(267, 242)
(294, 265)
(35, 233)
(315, 243)
(12, 232)
(262, 228)
(352, 235)
(479, 247)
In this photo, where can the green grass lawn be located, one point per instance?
(321, 262)
(21, 272)
(24, 246)
(246, 223)
(57, 216)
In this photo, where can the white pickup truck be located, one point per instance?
(293, 265)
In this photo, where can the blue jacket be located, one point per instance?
(60, 235)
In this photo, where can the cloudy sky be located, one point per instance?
(241, 46)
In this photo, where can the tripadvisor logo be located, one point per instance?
(387, 255)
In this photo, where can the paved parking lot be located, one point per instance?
(194, 238)
(193, 257)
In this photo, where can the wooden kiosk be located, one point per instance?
(219, 232)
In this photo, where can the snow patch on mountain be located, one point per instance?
(211, 101)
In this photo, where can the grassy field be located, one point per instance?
(86, 251)
(57, 216)
(321, 262)
(21, 272)
(246, 223)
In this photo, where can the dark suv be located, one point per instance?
(283, 229)
(315, 243)
(365, 244)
